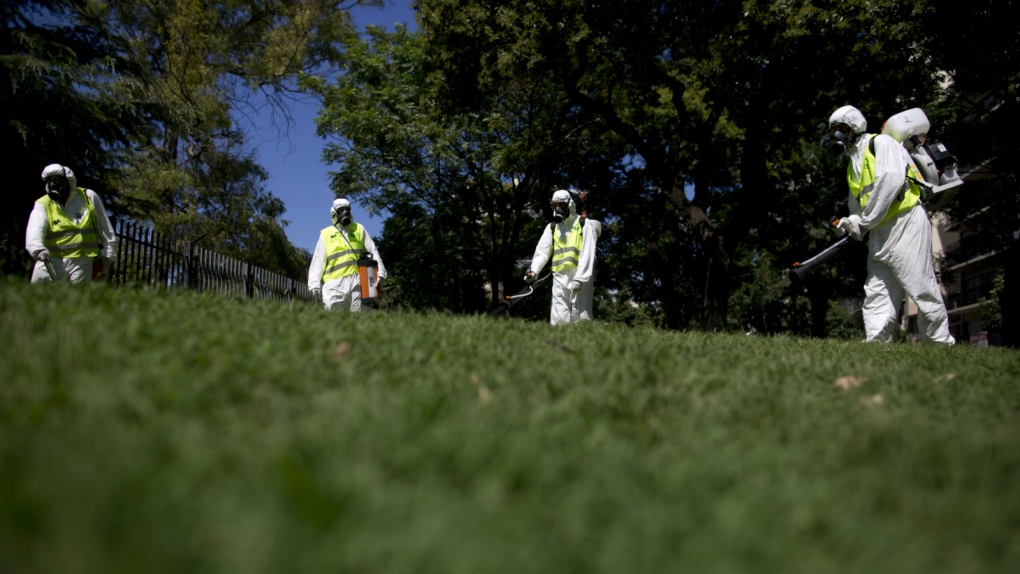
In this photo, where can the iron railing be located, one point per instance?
(145, 256)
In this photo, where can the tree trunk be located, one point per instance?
(716, 296)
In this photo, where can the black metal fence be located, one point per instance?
(147, 257)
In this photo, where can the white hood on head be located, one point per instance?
(57, 169)
(564, 195)
(338, 204)
(850, 116)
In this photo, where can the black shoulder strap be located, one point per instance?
(871, 145)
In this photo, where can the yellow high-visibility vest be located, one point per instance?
(65, 238)
(567, 251)
(342, 254)
(909, 195)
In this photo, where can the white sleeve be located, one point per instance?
(543, 251)
(854, 205)
(107, 235)
(370, 247)
(890, 176)
(318, 265)
(586, 261)
(35, 233)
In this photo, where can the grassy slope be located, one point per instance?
(143, 432)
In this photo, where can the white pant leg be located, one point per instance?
(911, 261)
(562, 305)
(584, 301)
(570, 306)
(77, 270)
(343, 294)
(932, 317)
(40, 274)
(883, 296)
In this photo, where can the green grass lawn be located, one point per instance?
(147, 432)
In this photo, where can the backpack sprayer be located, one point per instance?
(936, 165)
(933, 161)
(368, 276)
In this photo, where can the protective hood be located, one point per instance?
(850, 116)
(564, 195)
(57, 169)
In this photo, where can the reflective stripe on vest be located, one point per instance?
(66, 239)
(342, 254)
(566, 253)
(910, 193)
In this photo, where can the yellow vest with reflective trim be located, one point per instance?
(566, 251)
(342, 254)
(65, 238)
(909, 195)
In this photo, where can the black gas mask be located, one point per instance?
(57, 188)
(342, 216)
(837, 141)
(560, 212)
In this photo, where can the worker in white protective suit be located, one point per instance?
(69, 233)
(569, 242)
(885, 202)
(333, 275)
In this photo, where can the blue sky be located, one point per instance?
(297, 174)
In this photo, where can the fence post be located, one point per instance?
(245, 283)
(186, 267)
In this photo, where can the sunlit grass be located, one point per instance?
(146, 432)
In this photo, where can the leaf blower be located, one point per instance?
(800, 269)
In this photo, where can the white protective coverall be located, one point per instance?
(573, 289)
(76, 269)
(343, 294)
(900, 258)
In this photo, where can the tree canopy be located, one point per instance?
(463, 184)
(722, 102)
(694, 126)
(139, 99)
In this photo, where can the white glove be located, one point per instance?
(42, 255)
(574, 286)
(850, 226)
(316, 293)
(530, 277)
